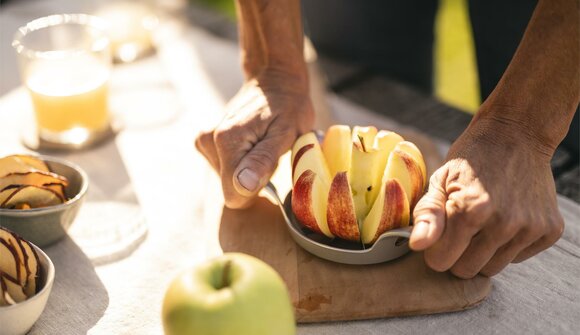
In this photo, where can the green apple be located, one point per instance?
(233, 294)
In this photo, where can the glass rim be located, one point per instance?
(56, 20)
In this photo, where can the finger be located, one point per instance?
(232, 143)
(484, 247)
(429, 214)
(206, 145)
(556, 229)
(507, 253)
(257, 166)
(467, 210)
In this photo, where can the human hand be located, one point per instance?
(492, 203)
(261, 123)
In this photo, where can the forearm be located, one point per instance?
(540, 89)
(271, 37)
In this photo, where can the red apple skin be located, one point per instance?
(395, 209)
(302, 201)
(418, 184)
(299, 154)
(340, 214)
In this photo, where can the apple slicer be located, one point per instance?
(390, 245)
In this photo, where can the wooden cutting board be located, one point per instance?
(325, 291)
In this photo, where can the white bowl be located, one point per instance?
(18, 319)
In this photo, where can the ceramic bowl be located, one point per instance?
(19, 318)
(44, 226)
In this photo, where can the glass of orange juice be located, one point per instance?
(65, 63)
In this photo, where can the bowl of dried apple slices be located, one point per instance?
(26, 277)
(40, 196)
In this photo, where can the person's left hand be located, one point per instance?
(492, 203)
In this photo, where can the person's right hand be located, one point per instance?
(261, 122)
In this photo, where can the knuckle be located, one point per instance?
(436, 261)
(491, 270)
(556, 229)
(263, 159)
(463, 271)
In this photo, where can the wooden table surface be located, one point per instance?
(163, 102)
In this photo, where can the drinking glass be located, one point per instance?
(65, 63)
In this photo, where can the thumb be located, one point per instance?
(429, 215)
(257, 166)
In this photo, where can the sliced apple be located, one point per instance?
(384, 143)
(27, 259)
(13, 289)
(310, 201)
(307, 155)
(337, 148)
(6, 193)
(341, 213)
(9, 262)
(21, 256)
(33, 196)
(402, 167)
(21, 164)
(363, 168)
(35, 178)
(412, 150)
(390, 210)
(34, 162)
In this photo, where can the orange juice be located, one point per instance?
(69, 94)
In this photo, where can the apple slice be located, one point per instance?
(341, 213)
(307, 155)
(414, 152)
(35, 178)
(385, 141)
(8, 238)
(33, 162)
(32, 196)
(363, 168)
(9, 262)
(390, 210)
(310, 201)
(337, 148)
(27, 258)
(402, 167)
(13, 289)
(21, 164)
(6, 193)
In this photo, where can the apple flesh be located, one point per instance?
(231, 294)
(19, 268)
(26, 182)
(375, 179)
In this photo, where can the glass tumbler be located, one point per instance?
(65, 63)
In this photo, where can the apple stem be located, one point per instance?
(362, 143)
(226, 274)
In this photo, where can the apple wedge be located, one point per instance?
(390, 211)
(337, 148)
(27, 259)
(13, 289)
(341, 213)
(311, 184)
(33, 197)
(9, 262)
(402, 167)
(309, 202)
(415, 153)
(35, 178)
(21, 164)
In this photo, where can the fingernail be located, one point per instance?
(421, 230)
(248, 179)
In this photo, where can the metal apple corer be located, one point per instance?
(390, 245)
